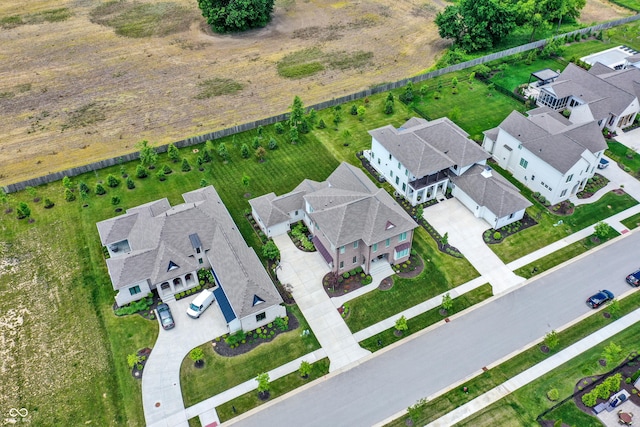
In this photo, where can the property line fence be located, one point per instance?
(55, 176)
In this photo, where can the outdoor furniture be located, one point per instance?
(625, 417)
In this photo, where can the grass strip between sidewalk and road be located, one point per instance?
(428, 318)
(277, 388)
(632, 222)
(497, 375)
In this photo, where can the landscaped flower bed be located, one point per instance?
(336, 285)
(411, 267)
(256, 227)
(299, 236)
(593, 185)
(496, 236)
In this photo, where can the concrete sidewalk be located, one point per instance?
(535, 372)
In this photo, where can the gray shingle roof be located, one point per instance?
(545, 136)
(428, 147)
(353, 208)
(160, 236)
(494, 192)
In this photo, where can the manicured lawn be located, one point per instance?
(632, 222)
(441, 272)
(463, 107)
(631, 4)
(618, 153)
(558, 257)
(519, 363)
(531, 400)
(549, 228)
(221, 373)
(277, 388)
(517, 73)
(428, 318)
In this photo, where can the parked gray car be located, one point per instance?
(166, 319)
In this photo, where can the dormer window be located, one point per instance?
(389, 225)
(172, 266)
(257, 300)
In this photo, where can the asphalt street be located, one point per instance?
(393, 380)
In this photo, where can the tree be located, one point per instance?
(203, 183)
(148, 155)
(141, 172)
(115, 200)
(246, 180)
(23, 210)
(173, 153)
(476, 24)
(362, 110)
(263, 385)
(206, 155)
(32, 192)
(415, 410)
(447, 302)
(388, 107)
(133, 360)
(100, 189)
(321, 124)
(256, 143)
(419, 212)
(112, 181)
(261, 153)
(185, 166)
(613, 307)
(445, 239)
(354, 110)
(601, 230)
(222, 151)
(66, 183)
(68, 195)
(401, 324)
(551, 340)
(273, 144)
(296, 117)
(244, 151)
(197, 355)
(454, 82)
(83, 187)
(270, 251)
(226, 16)
(279, 128)
(611, 352)
(293, 135)
(130, 184)
(407, 95)
(305, 369)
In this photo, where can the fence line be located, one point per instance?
(55, 176)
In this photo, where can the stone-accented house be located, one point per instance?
(546, 151)
(606, 96)
(156, 246)
(353, 222)
(421, 159)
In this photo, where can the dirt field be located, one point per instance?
(72, 91)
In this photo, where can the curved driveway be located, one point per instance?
(394, 379)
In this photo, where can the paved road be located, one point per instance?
(396, 379)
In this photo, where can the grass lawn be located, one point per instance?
(277, 388)
(519, 363)
(561, 255)
(517, 73)
(531, 400)
(463, 107)
(632, 222)
(548, 229)
(630, 4)
(441, 272)
(221, 373)
(428, 318)
(618, 153)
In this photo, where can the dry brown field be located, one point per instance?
(73, 91)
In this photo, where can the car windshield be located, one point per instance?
(167, 321)
(194, 307)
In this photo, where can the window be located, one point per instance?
(355, 244)
(399, 166)
(341, 249)
(406, 172)
(512, 215)
(261, 316)
(587, 171)
(404, 187)
(197, 250)
(373, 155)
(199, 260)
(523, 163)
(391, 174)
(533, 177)
(375, 247)
(134, 290)
(389, 156)
(341, 264)
(402, 253)
(378, 161)
(296, 214)
(355, 259)
(563, 192)
(397, 180)
(569, 178)
(387, 243)
(402, 237)
(519, 146)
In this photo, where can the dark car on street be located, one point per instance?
(634, 278)
(600, 298)
(166, 319)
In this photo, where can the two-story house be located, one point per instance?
(353, 222)
(608, 97)
(158, 247)
(546, 151)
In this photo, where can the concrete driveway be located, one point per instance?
(465, 233)
(630, 139)
(161, 393)
(304, 272)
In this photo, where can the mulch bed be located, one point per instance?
(223, 349)
(347, 285)
(593, 185)
(144, 353)
(386, 284)
(413, 269)
(507, 231)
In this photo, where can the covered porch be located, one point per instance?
(177, 284)
(427, 187)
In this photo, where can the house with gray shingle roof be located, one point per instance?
(159, 247)
(602, 94)
(353, 222)
(546, 151)
(422, 159)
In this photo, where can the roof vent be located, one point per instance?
(389, 225)
(486, 172)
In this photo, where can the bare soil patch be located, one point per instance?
(88, 81)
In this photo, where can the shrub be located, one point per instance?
(589, 399)
(68, 195)
(553, 394)
(112, 181)
(186, 167)
(160, 175)
(115, 200)
(273, 144)
(130, 184)
(321, 124)
(497, 235)
(346, 274)
(141, 172)
(100, 189)
(279, 128)
(368, 279)
(602, 390)
(48, 203)
(166, 170)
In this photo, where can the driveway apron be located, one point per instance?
(304, 271)
(161, 393)
(465, 233)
